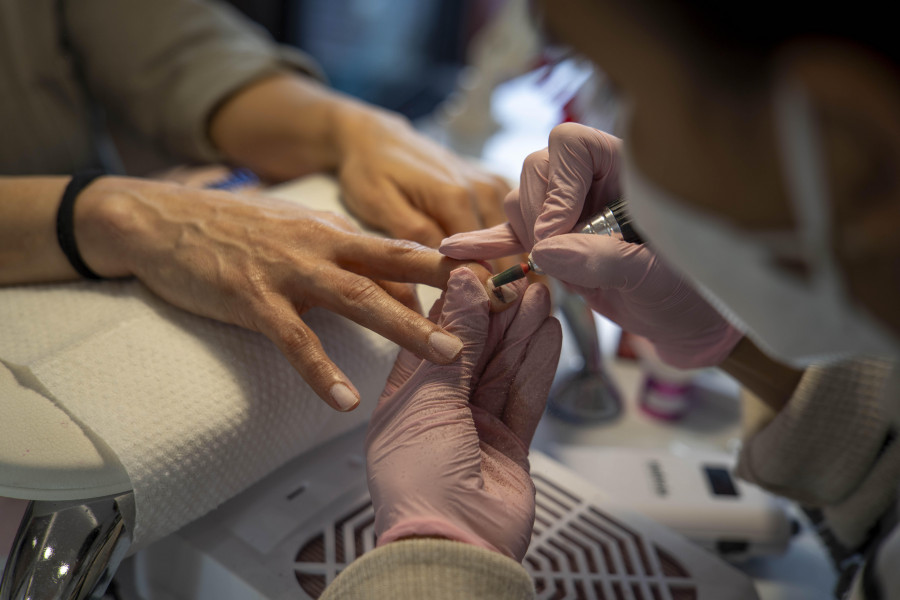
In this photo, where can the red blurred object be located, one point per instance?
(625, 350)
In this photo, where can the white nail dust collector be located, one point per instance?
(691, 492)
(292, 533)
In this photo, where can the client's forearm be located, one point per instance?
(29, 249)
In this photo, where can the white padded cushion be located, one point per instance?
(45, 455)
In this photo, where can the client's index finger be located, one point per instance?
(407, 262)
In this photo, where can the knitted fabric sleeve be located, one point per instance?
(830, 447)
(165, 66)
(435, 569)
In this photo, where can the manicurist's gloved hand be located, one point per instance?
(565, 184)
(447, 448)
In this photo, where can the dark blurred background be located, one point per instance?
(405, 55)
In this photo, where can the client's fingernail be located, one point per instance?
(504, 293)
(343, 396)
(445, 344)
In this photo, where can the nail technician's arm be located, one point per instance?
(392, 177)
(447, 453)
(259, 263)
(771, 381)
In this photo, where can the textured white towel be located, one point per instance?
(195, 410)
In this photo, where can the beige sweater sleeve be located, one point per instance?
(830, 446)
(433, 569)
(165, 65)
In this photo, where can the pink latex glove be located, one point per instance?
(447, 447)
(563, 185)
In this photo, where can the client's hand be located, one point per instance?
(392, 177)
(447, 448)
(563, 185)
(261, 263)
(398, 181)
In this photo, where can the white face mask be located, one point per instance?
(799, 321)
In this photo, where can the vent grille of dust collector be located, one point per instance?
(578, 551)
(293, 533)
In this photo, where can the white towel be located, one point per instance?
(195, 410)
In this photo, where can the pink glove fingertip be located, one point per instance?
(485, 244)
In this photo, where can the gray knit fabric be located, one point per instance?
(160, 66)
(434, 569)
(826, 448)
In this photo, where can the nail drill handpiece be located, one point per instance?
(612, 220)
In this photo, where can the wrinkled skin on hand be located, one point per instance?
(261, 263)
(400, 182)
(562, 185)
(447, 447)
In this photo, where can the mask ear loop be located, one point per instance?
(805, 177)
(804, 171)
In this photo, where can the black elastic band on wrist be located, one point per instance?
(65, 221)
